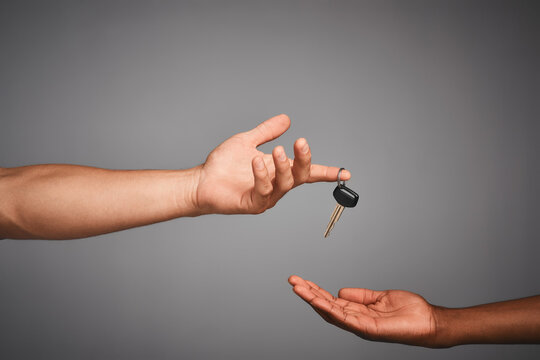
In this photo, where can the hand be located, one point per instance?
(237, 178)
(389, 316)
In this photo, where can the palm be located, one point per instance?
(396, 316)
(391, 315)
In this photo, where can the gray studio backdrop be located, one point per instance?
(432, 105)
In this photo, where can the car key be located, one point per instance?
(345, 197)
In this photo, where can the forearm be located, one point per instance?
(68, 201)
(514, 321)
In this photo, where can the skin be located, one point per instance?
(404, 317)
(69, 201)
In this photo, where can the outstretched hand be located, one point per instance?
(390, 316)
(237, 178)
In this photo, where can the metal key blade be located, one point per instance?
(338, 210)
(331, 223)
(338, 215)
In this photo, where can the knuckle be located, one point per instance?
(303, 178)
(266, 190)
(287, 184)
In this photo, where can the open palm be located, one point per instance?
(391, 315)
(238, 178)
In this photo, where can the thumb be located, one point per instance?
(269, 130)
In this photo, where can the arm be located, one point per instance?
(67, 201)
(404, 317)
(505, 322)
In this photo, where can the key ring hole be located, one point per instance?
(339, 181)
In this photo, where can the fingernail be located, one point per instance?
(305, 148)
(259, 165)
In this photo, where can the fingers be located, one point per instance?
(328, 310)
(302, 169)
(269, 129)
(284, 180)
(312, 287)
(297, 280)
(321, 291)
(336, 311)
(302, 161)
(354, 322)
(326, 173)
(311, 298)
(343, 316)
(263, 186)
(305, 293)
(290, 173)
(361, 296)
(303, 289)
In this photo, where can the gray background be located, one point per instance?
(433, 106)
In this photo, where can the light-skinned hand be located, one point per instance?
(238, 178)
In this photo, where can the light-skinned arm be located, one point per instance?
(404, 317)
(69, 201)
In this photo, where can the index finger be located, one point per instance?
(327, 173)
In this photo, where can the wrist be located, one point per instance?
(446, 331)
(186, 189)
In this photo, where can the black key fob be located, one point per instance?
(345, 196)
